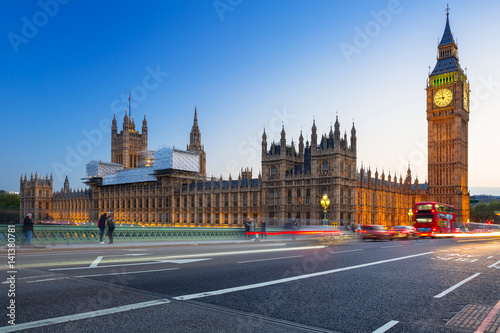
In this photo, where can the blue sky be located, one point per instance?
(67, 66)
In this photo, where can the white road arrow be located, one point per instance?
(98, 259)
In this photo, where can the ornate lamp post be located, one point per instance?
(410, 214)
(325, 202)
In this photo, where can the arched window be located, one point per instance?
(273, 172)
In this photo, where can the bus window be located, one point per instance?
(424, 207)
(424, 218)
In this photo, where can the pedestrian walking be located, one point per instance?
(101, 224)
(247, 228)
(28, 228)
(263, 228)
(251, 228)
(111, 227)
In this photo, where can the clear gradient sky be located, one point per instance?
(67, 66)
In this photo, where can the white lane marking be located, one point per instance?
(105, 274)
(456, 286)
(43, 280)
(96, 262)
(489, 257)
(36, 276)
(156, 262)
(294, 278)
(134, 272)
(386, 247)
(345, 251)
(183, 261)
(494, 265)
(28, 277)
(214, 254)
(257, 260)
(79, 316)
(128, 254)
(386, 326)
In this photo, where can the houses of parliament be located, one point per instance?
(170, 187)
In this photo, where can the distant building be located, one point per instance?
(483, 198)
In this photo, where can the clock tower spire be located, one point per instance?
(448, 122)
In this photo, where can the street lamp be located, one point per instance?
(410, 214)
(325, 202)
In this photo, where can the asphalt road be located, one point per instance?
(398, 286)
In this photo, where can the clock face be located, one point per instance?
(466, 98)
(443, 97)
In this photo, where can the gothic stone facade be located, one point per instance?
(290, 186)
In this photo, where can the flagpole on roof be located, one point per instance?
(129, 108)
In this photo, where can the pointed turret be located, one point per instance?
(195, 142)
(353, 137)
(144, 133)
(447, 38)
(336, 134)
(126, 122)
(283, 140)
(314, 136)
(264, 144)
(408, 175)
(301, 145)
(195, 136)
(447, 52)
(66, 184)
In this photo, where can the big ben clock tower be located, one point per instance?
(448, 119)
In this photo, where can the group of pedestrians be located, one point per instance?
(250, 226)
(106, 220)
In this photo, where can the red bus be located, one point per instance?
(431, 218)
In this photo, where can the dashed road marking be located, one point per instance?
(96, 262)
(293, 278)
(79, 316)
(449, 290)
(386, 326)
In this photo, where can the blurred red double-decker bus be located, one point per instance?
(431, 218)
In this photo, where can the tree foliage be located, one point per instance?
(8, 200)
(483, 212)
(9, 207)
